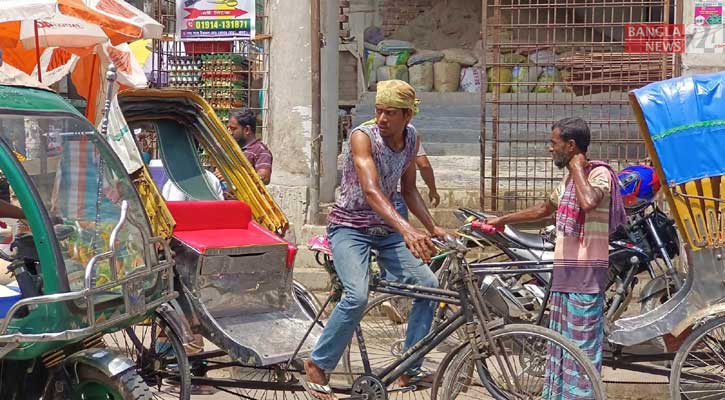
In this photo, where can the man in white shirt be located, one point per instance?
(171, 192)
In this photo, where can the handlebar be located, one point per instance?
(448, 243)
(485, 228)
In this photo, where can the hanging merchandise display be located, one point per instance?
(223, 79)
(215, 19)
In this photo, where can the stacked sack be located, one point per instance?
(458, 69)
(537, 72)
(385, 59)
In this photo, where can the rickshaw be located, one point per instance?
(683, 121)
(86, 263)
(219, 287)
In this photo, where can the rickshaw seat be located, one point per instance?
(205, 215)
(220, 224)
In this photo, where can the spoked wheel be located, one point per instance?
(698, 371)
(384, 324)
(159, 355)
(520, 371)
(274, 374)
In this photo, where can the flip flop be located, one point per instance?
(320, 392)
(422, 380)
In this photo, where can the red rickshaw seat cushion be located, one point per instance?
(203, 215)
(219, 224)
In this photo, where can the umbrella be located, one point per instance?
(10, 75)
(121, 9)
(60, 30)
(56, 63)
(17, 15)
(79, 29)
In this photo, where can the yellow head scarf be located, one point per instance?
(397, 94)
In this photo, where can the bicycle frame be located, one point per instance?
(463, 280)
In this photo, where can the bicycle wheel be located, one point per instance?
(384, 324)
(158, 354)
(698, 371)
(274, 374)
(524, 351)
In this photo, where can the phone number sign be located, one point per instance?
(215, 19)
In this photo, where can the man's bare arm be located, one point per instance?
(265, 174)
(587, 195)
(8, 210)
(413, 199)
(426, 172)
(533, 213)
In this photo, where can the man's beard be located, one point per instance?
(561, 162)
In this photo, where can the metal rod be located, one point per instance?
(503, 271)
(313, 207)
(37, 50)
(309, 329)
(418, 295)
(111, 80)
(497, 264)
(418, 289)
(484, 88)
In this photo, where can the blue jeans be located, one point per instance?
(351, 253)
(399, 205)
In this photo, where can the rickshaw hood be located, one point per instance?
(158, 104)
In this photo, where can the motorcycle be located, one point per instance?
(647, 243)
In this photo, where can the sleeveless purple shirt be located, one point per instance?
(351, 209)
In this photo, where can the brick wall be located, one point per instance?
(348, 78)
(397, 13)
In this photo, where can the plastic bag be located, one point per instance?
(387, 72)
(547, 81)
(373, 61)
(523, 78)
(399, 58)
(121, 139)
(544, 58)
(471, 80)
(373, 35)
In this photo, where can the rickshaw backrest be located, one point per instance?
(203, 215)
